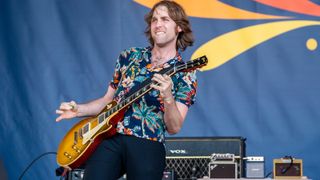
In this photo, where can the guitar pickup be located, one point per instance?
(80, 133)
(75, 137)
(85, 128)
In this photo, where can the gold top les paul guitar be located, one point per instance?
(83, 138)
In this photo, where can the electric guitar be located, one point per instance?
(83, 138)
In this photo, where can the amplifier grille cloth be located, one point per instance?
(189, 167)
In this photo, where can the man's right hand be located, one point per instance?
(67, 110)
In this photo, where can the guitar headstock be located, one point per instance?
(196, 63)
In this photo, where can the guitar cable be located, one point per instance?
(40, 156)
(283, 171)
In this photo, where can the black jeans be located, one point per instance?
(139, 158)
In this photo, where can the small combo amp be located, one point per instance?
(189, 157)
(223, 166)
(254, 166)
(223, 170)
(287, 167)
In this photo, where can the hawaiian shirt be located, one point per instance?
(145, 117)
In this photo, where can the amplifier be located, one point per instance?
(189, 157)
(254, 167)
(287, 168)
(223, 170)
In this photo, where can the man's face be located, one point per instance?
(164, 30)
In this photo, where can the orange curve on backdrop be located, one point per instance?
(213, 9)
(299, 6)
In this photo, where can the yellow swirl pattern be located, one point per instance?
(227, 46)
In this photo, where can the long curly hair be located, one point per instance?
(178, 15)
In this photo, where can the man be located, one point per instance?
(137, 149)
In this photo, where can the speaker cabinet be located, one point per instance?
(189, 157)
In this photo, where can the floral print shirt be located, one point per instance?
(145, 117)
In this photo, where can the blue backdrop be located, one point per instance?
(53, 51)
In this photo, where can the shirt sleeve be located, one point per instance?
(185, 88)
(119, 67)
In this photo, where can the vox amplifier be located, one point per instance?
(189, 157)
